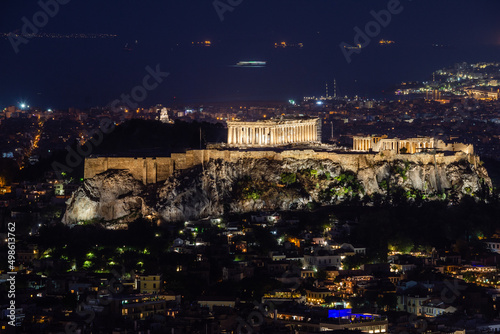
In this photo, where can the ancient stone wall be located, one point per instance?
(153, 170)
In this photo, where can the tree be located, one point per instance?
(354, 261)
(321, 275)
(288, 178)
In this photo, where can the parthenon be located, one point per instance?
(273, 132)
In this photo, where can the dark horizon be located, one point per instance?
(85, 72)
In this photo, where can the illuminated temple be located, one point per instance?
(409, 145)
(273, 132)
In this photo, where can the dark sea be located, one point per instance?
(59, 73)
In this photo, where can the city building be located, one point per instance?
(484, 94)
(149, 284)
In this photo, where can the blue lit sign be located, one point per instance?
(339, 313)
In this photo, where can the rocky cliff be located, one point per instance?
(113, 198)
(247, 185)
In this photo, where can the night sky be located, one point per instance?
(59, 73)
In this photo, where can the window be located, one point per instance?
(154, 285)
(145, 285)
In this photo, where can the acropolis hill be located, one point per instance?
(275, 166)
(270, 138)
(158, 169)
